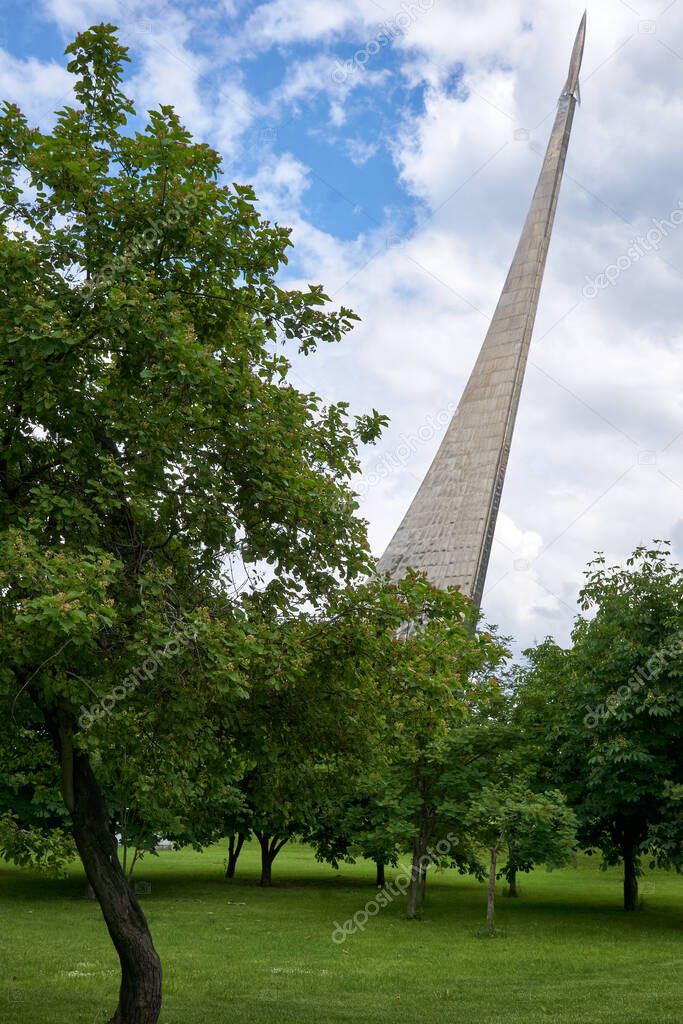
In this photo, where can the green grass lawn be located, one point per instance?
(234, 952)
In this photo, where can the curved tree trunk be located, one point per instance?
(140, 990)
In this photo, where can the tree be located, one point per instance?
(612, 710)
(533, 828)
(443, 706)
(155, 791)
(359, 818)
(312, 708)
(154, 451)
(357, 738)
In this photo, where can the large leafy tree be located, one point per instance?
(312, 729)
(294, 718)
(608, 712)
(360, 817)
(430, 703)
(153, 449)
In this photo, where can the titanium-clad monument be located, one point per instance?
(448, 530)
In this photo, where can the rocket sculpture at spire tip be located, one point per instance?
(572, 85)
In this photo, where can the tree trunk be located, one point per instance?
(490, 906)
(423, 884)
(134, 861)
(140, 990)
(235, 844)
(414, 888)
(512, 882)
(630, 875)
(411, 908)
(380, 880)
(270, 847)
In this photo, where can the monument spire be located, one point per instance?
(447, 532)
(572, 84)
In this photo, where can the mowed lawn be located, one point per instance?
(233, 952)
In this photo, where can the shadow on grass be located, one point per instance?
(447, 896)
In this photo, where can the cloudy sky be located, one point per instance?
(402, 139)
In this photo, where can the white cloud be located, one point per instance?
(38, 88)
(281, 184)
(602, 397)
(281, 22)
(74, 16)
(596, 460)
(360, 151)
(306, 80)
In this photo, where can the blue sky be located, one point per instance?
(401, 141)
(354, 184)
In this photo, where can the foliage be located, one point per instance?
(442, 704)
(611, 707)
(532, 828)
(165, 489)
(44, 850)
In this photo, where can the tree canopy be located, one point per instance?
(608, 711)
(155, 454)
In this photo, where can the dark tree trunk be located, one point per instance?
(270, 847)
(140, 990)
(266, 867)
(630, 875)
(235, 844)
(512, 882)
(380, 880)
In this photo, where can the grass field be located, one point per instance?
(233, 952)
